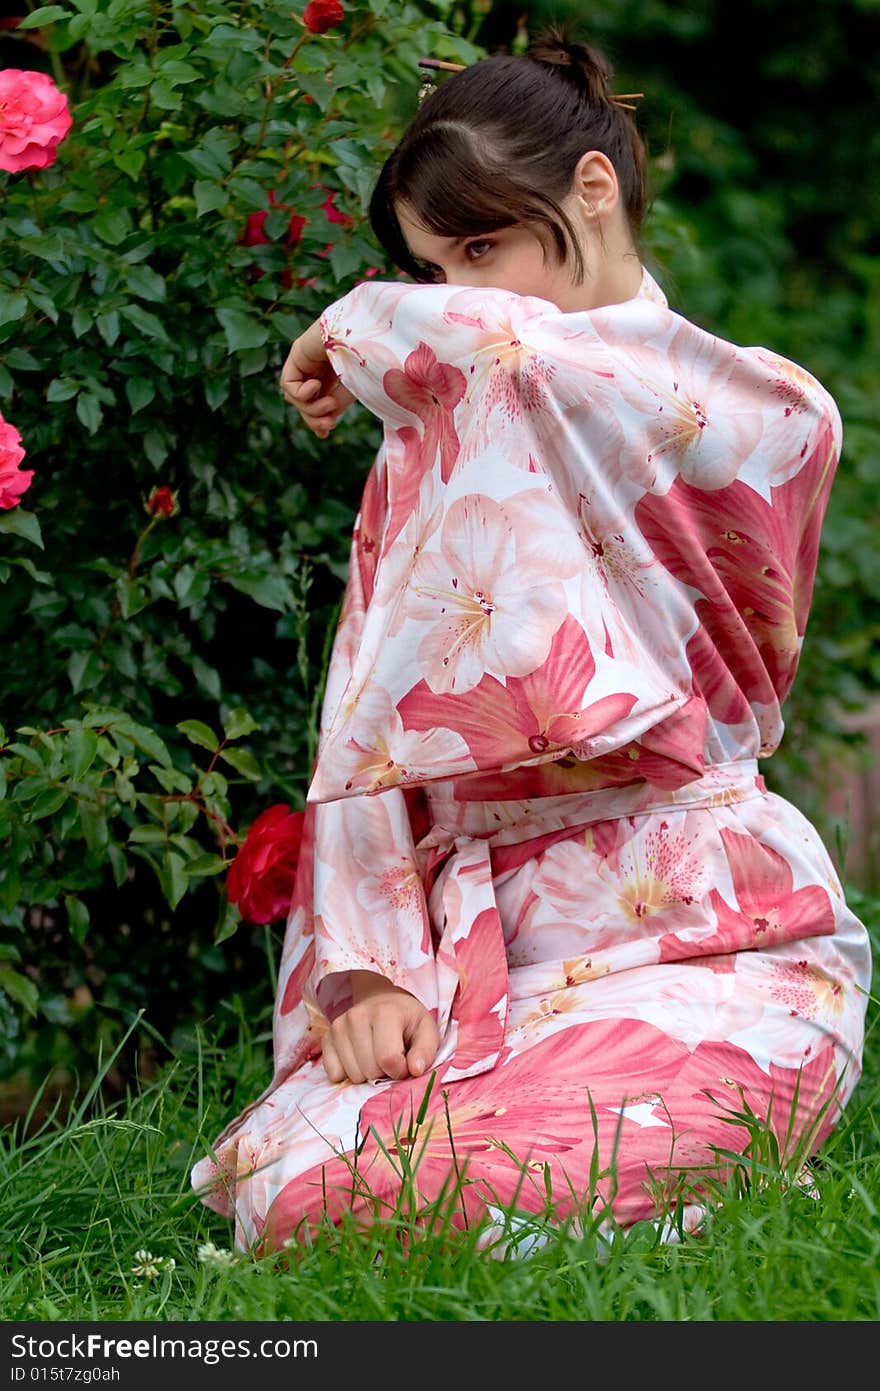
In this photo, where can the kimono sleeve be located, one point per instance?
(360, 904)
(516, 616)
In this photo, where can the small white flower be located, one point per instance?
(150, 1267)
(209, 1254)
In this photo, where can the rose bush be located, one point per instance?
(34, 119)
(169, 591)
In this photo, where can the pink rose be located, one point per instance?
(13, 480)
(261, 877)
(34, 119)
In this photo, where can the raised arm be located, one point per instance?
(309, 383)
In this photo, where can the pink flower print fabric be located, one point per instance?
(578, 589)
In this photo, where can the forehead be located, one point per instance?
(422, 243)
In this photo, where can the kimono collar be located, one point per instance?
(650, 290)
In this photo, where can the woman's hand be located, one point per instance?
(386, 1032)
(309, 383)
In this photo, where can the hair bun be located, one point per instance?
(555, 46)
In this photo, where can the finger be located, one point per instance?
(361, 1038)
(388, 1048)
(319, 406)
(346, 1053)
(423, 1046)
(332, 1066)
(298, 391)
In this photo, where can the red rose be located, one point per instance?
(254, 233)
(261, 877)
(331, 212)
(162, 502)
(13, 480)
(34, 119)
(321, 15)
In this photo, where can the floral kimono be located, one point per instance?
(579, 582)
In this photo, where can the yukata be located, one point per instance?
(578, 587)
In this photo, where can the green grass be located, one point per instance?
(79, 1198)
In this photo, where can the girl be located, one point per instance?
(550, 931)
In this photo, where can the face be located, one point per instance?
(510, 259)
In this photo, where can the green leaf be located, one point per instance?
(61, 389)
(206, 864)
(207, 676)
(271, 591)
(83, 670)
(241, 330)
(228, 921)
(12, 307)
(108, 326)
(243, 762)
(148, 835)
(344, 258)
(155, 447)
(77, 918)
(135, 74)
(146, 739)
(81, 320)
(20, 360)
(173, 877)
(131, 162)
(18, 522)
(140, 392)
(199, 733)
(132, 595)
(38, 576)
(118, 863)
(146, 283)
(145, 321)
(112, 225)
(209, 196)
(96, 831)
(82, 749)
(47, 14)
(20, 989)
(47, 803)
(191, 585)
(239, 723)
(89, 411)
(172, 780)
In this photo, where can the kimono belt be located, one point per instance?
(473, 846)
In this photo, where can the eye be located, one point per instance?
(473, 252)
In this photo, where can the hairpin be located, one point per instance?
(623, 99)
(427, 84)
(439, 63)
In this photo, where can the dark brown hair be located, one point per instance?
(497, 144)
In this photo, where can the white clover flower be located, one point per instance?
(209, 1254)
(150, 1267)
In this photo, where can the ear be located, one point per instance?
(595, 183)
